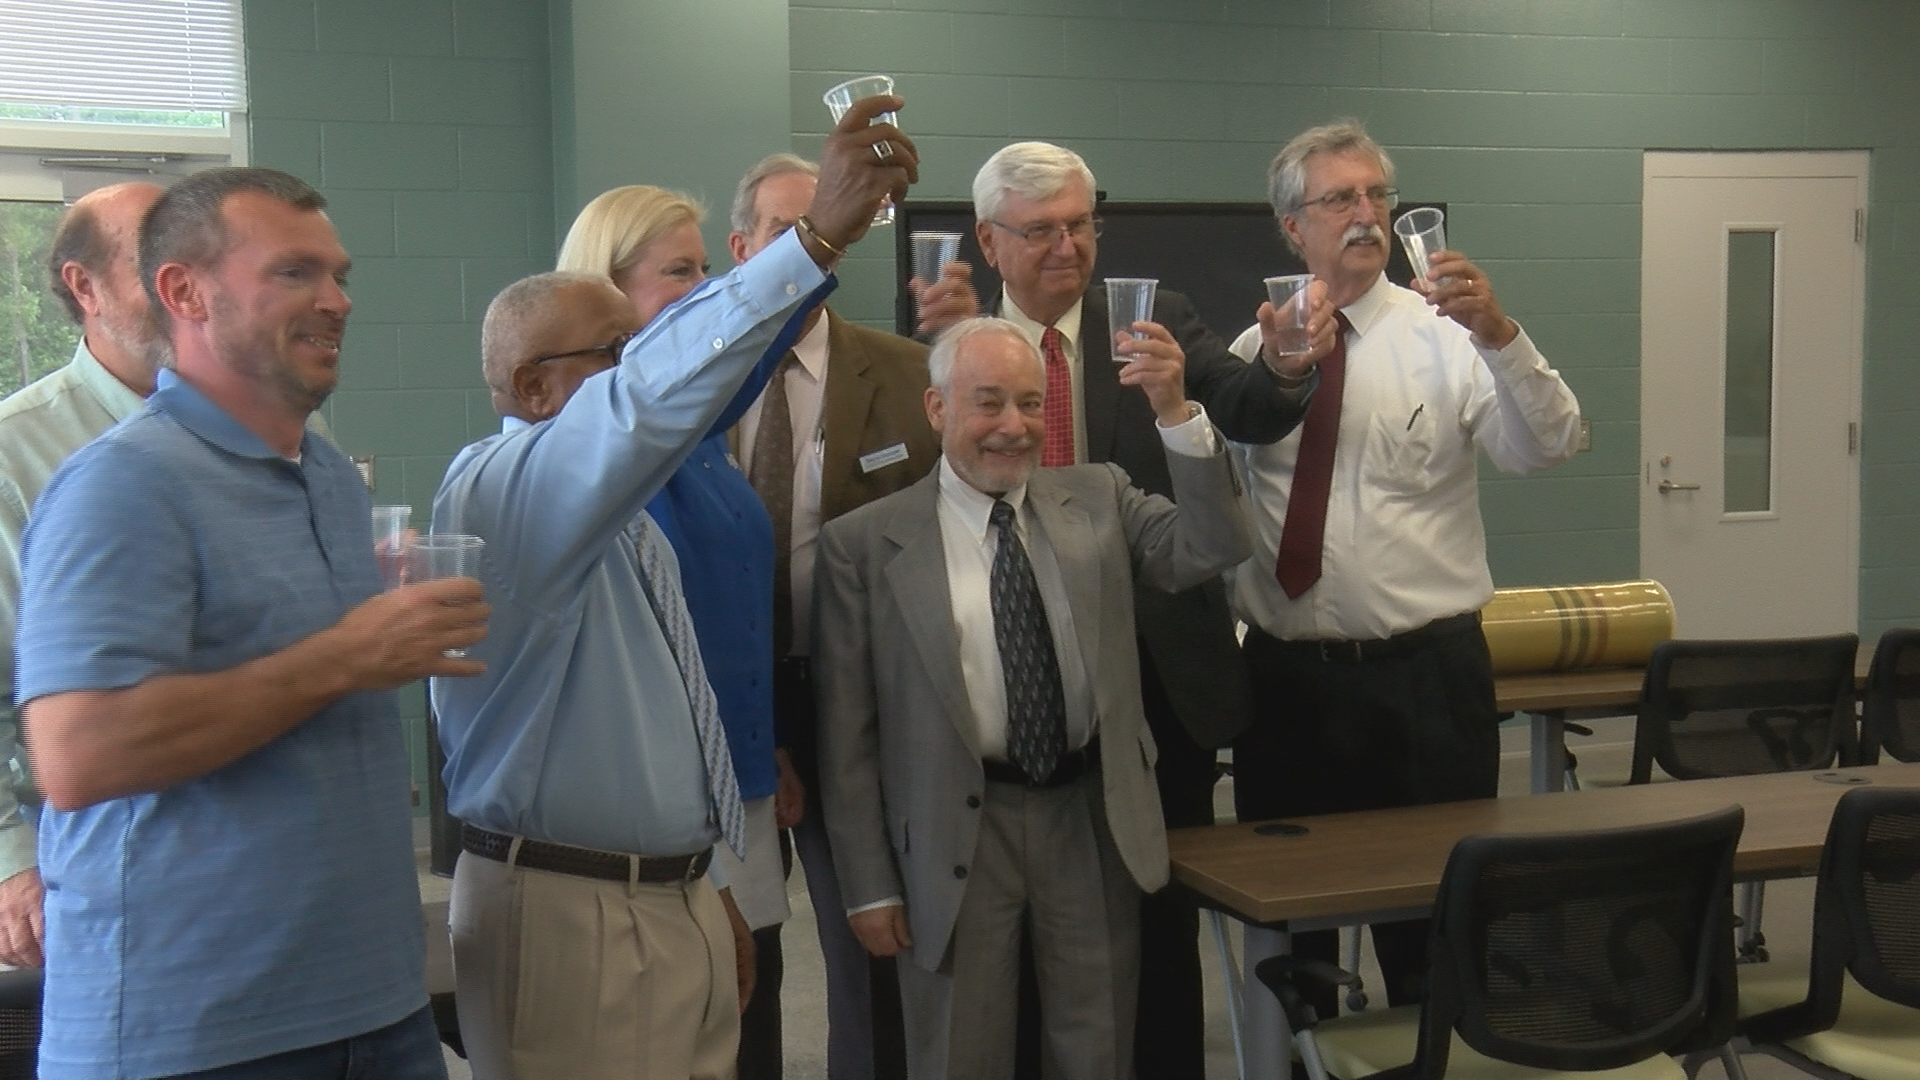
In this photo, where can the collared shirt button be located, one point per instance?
(719, 343)
(792, 289)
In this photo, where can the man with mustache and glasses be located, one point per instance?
(207, 664)
(985, 762)
(1371, 681)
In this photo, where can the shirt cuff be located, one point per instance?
(1518, 355)
(891, 901)
(1193, 437)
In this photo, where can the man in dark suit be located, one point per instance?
(1034, 210)
(840, 424)
(986, 759)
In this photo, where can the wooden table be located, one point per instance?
(1383, 865)
(1547, 698)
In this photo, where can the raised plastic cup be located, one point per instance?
(931, 252)
(390, 543)
(841, 98)
(1422, 231)
(1289, 296)
(1129, 300)
(444, 555)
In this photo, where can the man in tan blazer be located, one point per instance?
(850, 429)
(984, 757)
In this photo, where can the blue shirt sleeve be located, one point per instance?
(551, 496)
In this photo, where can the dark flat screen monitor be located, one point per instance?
(1217, 253)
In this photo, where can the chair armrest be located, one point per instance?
(1287, 977)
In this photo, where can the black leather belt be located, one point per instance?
(1355, 652)
(584, 862)
(1069, 768)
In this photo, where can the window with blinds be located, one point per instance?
(122, 61)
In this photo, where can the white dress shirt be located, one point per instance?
(1070, 338)
(806, 398)
(1404, 541)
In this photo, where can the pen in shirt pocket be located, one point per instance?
(1417, 410)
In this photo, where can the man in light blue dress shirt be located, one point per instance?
(206, 666)
(588, 940)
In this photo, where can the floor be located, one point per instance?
(1604, 756)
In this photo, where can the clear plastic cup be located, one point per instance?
(931, 251)
(1289, 295)
(1129, 300)
(444, 555)
(390, 543)
(1422, 231)
(841, 98)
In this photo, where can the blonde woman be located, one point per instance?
(647, 240)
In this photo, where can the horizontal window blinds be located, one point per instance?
(123, 54)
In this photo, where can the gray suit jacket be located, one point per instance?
(900, 764)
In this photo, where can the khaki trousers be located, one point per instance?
(560, 977)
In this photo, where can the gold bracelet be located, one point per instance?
(805, 225)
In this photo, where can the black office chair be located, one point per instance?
(1561, 952)
(1855, 1009)
(20, 1023)
(1739, 708)
(1890, 716)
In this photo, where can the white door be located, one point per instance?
(1753, 271)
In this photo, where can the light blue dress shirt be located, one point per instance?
(270, 904)
(580, 732)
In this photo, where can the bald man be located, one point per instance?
(91, 269)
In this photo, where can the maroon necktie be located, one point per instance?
(1058, 411)
(1304, 534)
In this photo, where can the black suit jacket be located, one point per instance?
(1189, 635)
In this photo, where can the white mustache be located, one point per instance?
(1364, 232)
(1000, 445)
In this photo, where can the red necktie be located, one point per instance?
(1058, 449)
(1304, 534)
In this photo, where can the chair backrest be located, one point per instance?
(1584, 950)
(1890, 720)
(1871, 870)
(1736, 708)
(20, 1023)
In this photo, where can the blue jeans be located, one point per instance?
(408, 1050)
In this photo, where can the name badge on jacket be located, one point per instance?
(880, 459)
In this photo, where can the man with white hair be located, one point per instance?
(985, 759)
(1371, 681)
(1036, 220)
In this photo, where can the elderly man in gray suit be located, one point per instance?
(985, 761)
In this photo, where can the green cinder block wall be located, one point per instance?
(426, 124)
(1528, 117)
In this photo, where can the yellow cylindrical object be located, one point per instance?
(1576, 626)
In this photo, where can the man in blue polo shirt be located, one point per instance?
(206, 667)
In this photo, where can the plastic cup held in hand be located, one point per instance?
(1422, 231)
(841, 98)
(1292, 303)
(931, 252)
(444, 555)
(1129, 300)
(390, 543)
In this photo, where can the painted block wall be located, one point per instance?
(426, 124)
(1528, 117)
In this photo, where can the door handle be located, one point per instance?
(1668, 485)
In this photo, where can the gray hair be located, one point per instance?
(742, 218)
(516, 312)
(185, 225)
(947, 348)
(1287, 176)
(1031, 170)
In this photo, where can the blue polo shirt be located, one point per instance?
(268, 905)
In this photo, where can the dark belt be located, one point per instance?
(1356, 652)
(799, 669)
(584, 862)
(1069, 768)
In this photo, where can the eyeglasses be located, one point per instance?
(612, 349)
(1085, 228)
(1343, 202)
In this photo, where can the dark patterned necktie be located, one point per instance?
(1036, 704)
(771, 474)
(1304, 535)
